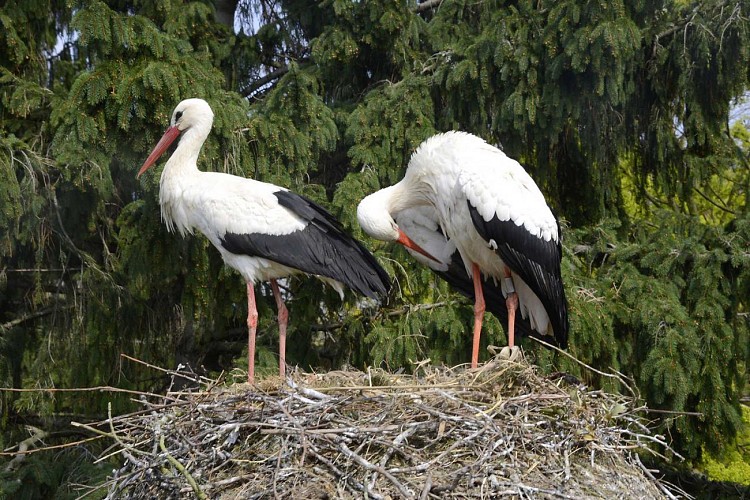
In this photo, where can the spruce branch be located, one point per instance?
(267, 78)
(270, 77)
(34, 315)
(407, 309)
(84, 256)
(617, 376)
(426, 5)
(689, 20)
(721, 206)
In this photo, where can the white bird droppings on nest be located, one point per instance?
(499, 431)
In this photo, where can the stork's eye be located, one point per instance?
(177, 116)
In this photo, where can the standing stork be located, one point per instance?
(492, 211)
(263, 231)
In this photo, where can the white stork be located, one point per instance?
(486, 205)
(263, 231)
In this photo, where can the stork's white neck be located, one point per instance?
(180, 171)
(184, 160)
(396, 198)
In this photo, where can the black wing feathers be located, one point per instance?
(493, 296)
(322, 248)
(536, 261)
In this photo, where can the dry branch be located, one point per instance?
(500, 430)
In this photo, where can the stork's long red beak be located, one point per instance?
(409, 243)
(166, 140)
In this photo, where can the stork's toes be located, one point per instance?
(511, 353)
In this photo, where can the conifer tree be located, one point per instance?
(619, 111)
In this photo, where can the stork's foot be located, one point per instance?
(511, 353)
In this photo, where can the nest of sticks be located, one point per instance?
(499, 430)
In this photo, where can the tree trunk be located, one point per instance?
(225, 10)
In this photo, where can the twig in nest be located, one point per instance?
(190, 479)
(186, 375)
(27, 451)
(370, 466)
(618, 376)
(99, 388)
(649, 474)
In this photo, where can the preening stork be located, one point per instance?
(263, 231)
(488, 207)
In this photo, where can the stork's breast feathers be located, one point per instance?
(230, 204)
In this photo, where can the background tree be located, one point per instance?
(619, 110)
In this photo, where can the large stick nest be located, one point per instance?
(500, 430)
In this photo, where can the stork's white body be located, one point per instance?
(492, 211)
(216, 203)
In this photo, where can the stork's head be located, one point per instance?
(375, 219)
(191, 115)
(374, 216)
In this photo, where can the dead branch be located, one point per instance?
(37, 314)
(427, 5)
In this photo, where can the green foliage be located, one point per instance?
(618, 110)
(735, 466)
(10, 199)
(36, 479)
(364, 44)
(290, 130)
(675, 294)
(389, 124)
(53, 475)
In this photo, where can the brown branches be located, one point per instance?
(697, 17)
(264, 80)
(448, 432)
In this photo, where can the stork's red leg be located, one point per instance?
(511, 302)
(283, 317)
(476, 276)
(252, 325)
